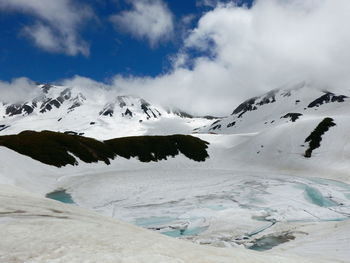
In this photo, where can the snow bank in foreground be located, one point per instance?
(34, 229)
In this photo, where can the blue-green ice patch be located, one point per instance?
(61, 196)
(316, 197)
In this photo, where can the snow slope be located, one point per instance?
(219, 202)
(271, 132)
(35, 229)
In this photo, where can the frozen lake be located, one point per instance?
(210, 205)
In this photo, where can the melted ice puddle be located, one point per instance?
(61, 196)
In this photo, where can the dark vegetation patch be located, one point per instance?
(54, 148)
(315, 138)
(59, 149)
(327, 98)
(293, 116)
(155, 148)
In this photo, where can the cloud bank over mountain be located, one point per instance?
(236, 52)
(18, 90)
(244, 52)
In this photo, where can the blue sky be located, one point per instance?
(112, 51)
(203, 56)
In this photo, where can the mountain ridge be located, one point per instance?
(276, 107)
(98, 113)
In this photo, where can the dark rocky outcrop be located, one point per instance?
(269, 98)
(327, 98)
(251, 104)
(315, 138)
(145, 106)
(216, 127)
(18, 109)
(248, 105)
(128, 112)
(231, 124)
(293, 116)
(60, 149)
(108, 110)
(181, 113)
(3, 127)
(46, 87)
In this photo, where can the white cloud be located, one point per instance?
(57, 23)
(96, 91)
(253, 51)
(148, 19)
(18, 90)
(250, 51)
(209, 3)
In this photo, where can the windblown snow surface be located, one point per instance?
(257, 191)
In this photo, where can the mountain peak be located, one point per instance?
(288, 103)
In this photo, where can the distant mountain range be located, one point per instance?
(96, 113)
(303, 112)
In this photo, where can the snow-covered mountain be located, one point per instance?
(275, 174)
(297, 129)
(96, 113)
(280, 106)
